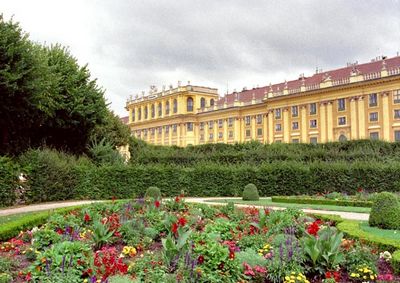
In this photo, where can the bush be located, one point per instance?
(250, 192)
(396, 261)
(8, 181)
(385, 212)
(153, 192)
(311, 200)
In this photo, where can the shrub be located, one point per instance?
(385, 212)
(8, 181)
(396, 261)
(250, 192)
(312, 200)
(153, 192)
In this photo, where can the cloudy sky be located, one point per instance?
(131, 44)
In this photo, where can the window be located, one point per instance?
(396, 96)
(159, 109)
(230, 134)
(167, 108)
(189, 103)
(211, 102)
(174, 128)
(145, 133)
(153, 112)
(295, 140)
(146, 112)
(373, 116)
(373, 99)
(133, 115)
(202, 137)
(278, 127)
(374, 136)
(210, 125)
(259, 132)
(313, 140)
(139, 114)
(295, 111)
(397, 136)
(259, 119)
(313, 123)
(341, 104)
(247, 120)
(220, 135)
(342, 138)
(220, 123)
(189, 127)
(175, 106)
(313, 108)
(277, 113)
(248, 133)
(201, 126)
(160, 130)
(230, 122)
(202, 102)
(152, 131)
(295, 125)
(167, 129)
(397, 113)
(341, 121)
(211, 136)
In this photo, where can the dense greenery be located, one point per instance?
(385, 212)
(250, 192)
(153, 192)
(314, 200)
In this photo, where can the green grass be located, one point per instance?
(268, 202)
(13, 217)
(388, 234)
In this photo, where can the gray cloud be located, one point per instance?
(130, 45)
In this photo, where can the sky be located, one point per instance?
(130, 45)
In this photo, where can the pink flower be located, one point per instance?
(260, 269)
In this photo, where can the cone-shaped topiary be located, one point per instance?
(153, 192)
(250, 192)
(385, 212)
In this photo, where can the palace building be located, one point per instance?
(360, 101)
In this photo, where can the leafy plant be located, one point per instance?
(175, 247)
(250, 192)
(101, 235)
(385, 212)
(153, 192)
(43, 238)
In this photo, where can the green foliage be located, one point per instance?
(104, 152)
(153, 192)
(101, 235)
(8, 181)
(120, 279)
(360, 255)
(5, 278)
(250, 192)
(251, 257)
(385, 213)
(313, 200)
(396, 261)
(43, 238)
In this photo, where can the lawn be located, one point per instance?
(268, 202)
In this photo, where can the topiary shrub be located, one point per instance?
(153, 192)
(250, 192)
(385, 212)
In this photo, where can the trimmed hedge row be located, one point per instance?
(310, 200)
(8, 181)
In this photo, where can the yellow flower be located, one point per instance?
(287, 278)
(299, 277)
(85, 281)
(353, 275)
(372, 277)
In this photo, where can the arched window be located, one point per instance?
(202, 102)
(146, 113)
(167, 108)
(139, 114)
(159, 109)
(342, 138)
(153, 112)
(175, 106)
(189, 103)
(211, 102)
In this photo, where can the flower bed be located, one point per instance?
(152, 241)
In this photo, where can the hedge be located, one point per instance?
(310, 200)
(8, 181)
(396, 261)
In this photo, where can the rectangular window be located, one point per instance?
(396, 96)
(152, 131)
(247, 133)
(373, 99)
(211, 136)
(277, 113)
(278, 127)
(373, 116)
(259, 119)
(230, 134)
(160, 130)
(397, 113)
(313, 123)
(210, 125)
(295, 111)
(220, 123)
(374, 136)
(202, 137)
(174, 127)
(259, 132)
(397, 136)
(313, 140)
(145, 133)
(341, 121)
(341, 104)
(220, 135)
(247, 120)
(189, 127)
(230, 122)
(295, 140)
(313, 108)
(201, 126)
(295, 125)
(167, 129)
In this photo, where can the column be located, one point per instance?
(206, 132)
(286, 128)
(303, 110)
(322, 126)
(196, 132)
(156, 135)
(170, 135)
(225, 128)
(253, 128)
(386, 116)
(361, 118)
(162, 135)
(329, 119)
(271, 126)
(178, 135)
(236, 129)
(353, 118)
(216, 129)
(265, 128)
(242, 135)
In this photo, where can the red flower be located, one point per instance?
(60, 231)
(200, 259)
(313, 228)
(157, 203)
(232, 254)
(221, 266)
(174, 228)
(177, 199)
(28, 276)
(86, 218)
(182, 221)
(360, 190)
(333, 274)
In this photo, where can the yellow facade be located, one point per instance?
(357, 107)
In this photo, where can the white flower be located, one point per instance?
(385, 255)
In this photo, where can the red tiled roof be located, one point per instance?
(342, 73)
(124, 120)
